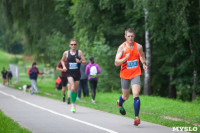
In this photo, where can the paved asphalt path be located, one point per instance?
(44, 115)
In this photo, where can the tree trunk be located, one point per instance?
(172, 88)
(193, 61)
(194, 73)
(147, 73)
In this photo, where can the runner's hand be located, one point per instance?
(145, 67)
(64, 69)
(127, 56)
(77, 60)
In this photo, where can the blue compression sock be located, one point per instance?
(136, 106)
(121, 100)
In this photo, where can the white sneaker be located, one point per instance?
(93, 101)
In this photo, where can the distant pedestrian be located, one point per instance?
(9, 75)
(64, 81)
(4, 75)
(92, 70)
(33, 74)
(83, 83)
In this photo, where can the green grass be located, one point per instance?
(153, 109)
(5, 59)
(7, 125)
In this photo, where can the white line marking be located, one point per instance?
(56, 113)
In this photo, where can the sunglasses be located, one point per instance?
(73, 44)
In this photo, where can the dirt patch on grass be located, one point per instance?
(178, 119)
(49, 94)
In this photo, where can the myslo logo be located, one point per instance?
(190, 129)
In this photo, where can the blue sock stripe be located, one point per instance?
(121, 100)
(136, 105)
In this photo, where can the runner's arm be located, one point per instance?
(142, 56)
(119, 54)
(82, 61)
(59, 69)
(64, 58)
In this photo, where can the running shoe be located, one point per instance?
(68, 100)
(93, 101)
(78, 98)
(73, 109)
(136, 122)
(121, 109)
(63, 99)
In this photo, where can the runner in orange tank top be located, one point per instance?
(128, 56)
(130, 68)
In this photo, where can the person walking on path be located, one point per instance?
(128, 55)
(64, 81)
(83, 83)
(74, 58)
(33, 74)
(92, 70)
(9, 76)
(4, 75)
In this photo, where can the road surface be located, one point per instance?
(43, 115)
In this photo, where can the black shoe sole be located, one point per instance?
(63, 99)
(68, 101)
(122, 113)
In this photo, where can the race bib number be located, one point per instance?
(132, 64)
(73, 65)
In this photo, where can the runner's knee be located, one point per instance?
(125, 97)
(136, 95)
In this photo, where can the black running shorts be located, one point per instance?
(75, 75)
(64, 81)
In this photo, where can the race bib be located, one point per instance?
(73, 65)
(132, 64)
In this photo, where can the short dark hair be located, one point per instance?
(129, 30)
(34, 63)
(91, 59)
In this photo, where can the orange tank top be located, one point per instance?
(130, 68)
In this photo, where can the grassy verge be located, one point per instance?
(7, 125)
(4, 60)
(163, 111)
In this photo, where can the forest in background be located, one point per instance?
(168, 30)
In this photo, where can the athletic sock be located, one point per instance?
(63, 95)
(75, 96)
(121, 100)
(136, 105)
(72, 96)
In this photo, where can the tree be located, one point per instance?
(147, 76)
